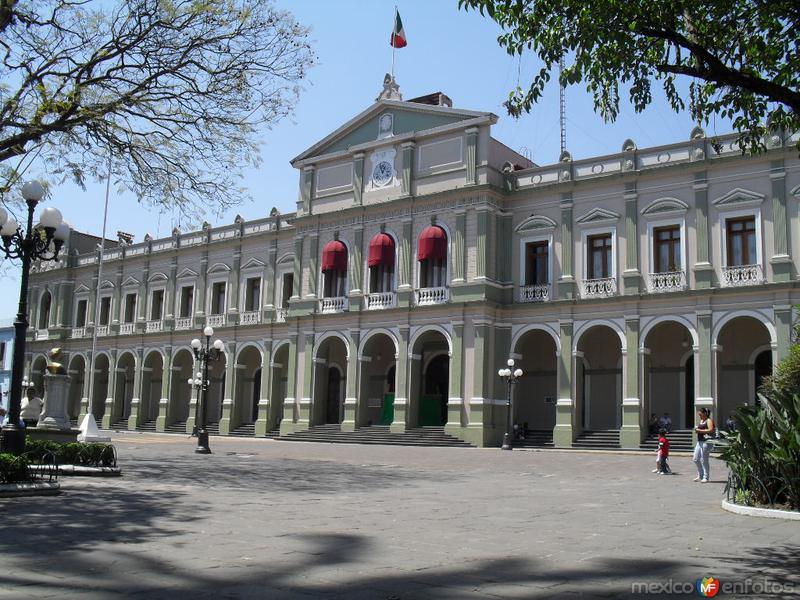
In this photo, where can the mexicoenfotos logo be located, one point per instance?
(708, 587)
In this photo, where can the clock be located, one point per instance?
(382, 173)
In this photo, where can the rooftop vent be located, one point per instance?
(434, 99)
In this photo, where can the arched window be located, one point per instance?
(44, 311)
(432, 257)
(334, 269)
(381, 264)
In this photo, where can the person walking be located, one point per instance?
(31, 408)
(705, 431)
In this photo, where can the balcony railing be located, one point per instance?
(216, 320)
(102, 330)
(42, 334)
(281, 313)
(534, 293)
(743, 275)
(78, 332)
(184, 323)
(154, 326)
(429, 296)
(379, 300)
(333, 305)
(127, 328)
(671, 281)
(251, 317)
(599, 288)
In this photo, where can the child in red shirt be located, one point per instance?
(662, 464)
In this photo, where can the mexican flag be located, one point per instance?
(398, 34)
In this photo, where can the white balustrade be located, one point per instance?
(250, 318)
(127, 328)
(333, 305)
(380, 300)
(741, 276)
(281, 314)
(599, 288)
(78, 332)
(216, 320)
(42, 334)
(102, 330)
(429, 296)
(671, 281)
(534, 293)
(184, 323)
(154, 326)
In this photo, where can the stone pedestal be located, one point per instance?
(56, 396)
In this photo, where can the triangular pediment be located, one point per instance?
(219, 268)
(664, 206)
(106, 285)
(370, 125)
(536, 223)
(130, 282)
(598, 215)
(187, 273)
(82, 289)
(740, 197)
(253, 263)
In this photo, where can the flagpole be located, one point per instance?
(393, 44)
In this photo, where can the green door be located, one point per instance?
(387, 412)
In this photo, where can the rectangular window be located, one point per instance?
(599, 256)
(381, 278)
(2, 354)
(218, 298)
(287, 289)
(334, 284)
(667, 249)
(252, 294)
(432, 273)
(130, 308)
(157, 305)
(536, 263)
(187, 300)
(80, 316)
(741, 241)
(105, 310)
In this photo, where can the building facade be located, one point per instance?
(6, 355)
(422, 255)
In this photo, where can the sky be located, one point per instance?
(448, 50)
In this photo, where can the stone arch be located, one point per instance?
(180, 392)
(535, 327)
(77, 371)
(429, 378)
(761, 316)
(329, 392)
(249, 359)
(652, 323)
(599, 393)
(150, 393)
(377, 356)
(536, 350)
(327, 335)
(372, 333)
(45, 306)
(425, 329)
(587, 325)
(38, 369)
(126, 368)
(100, 380)
(279, 366)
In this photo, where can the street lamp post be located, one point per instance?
(41, 242)
(204, 355)
(511, 377)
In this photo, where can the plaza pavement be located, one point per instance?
(279, 520)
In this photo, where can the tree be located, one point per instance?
(176, 91)
(742, 56)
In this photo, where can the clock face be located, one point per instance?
(382, 174)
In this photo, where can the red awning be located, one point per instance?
(432, 244)
(334, 256)
(381, 251)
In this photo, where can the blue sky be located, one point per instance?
(448, 50)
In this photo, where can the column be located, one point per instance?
(54, 300)
(297, 287)
(404, 289)
(289, 416)
(703, 271)
(632, 276)
(705, 366)
(263, 422)
(563, 433)
(110, 412)
(134, 419)
(64, 317)
(503, 243)
(358, 178)
(499, 388)
(482, 244)
(307, 391)
(233, 304)
(783, 326)
(353, 413)
(116, 301)
(459, 249)
(33, 308)
(408, 162)
(630, 435)
(307, 188)
(141, 299)
(313, 265)
(471, 155)
(166, 385)
(356, 264)
(566, 283)
(91, 305)
(232, 374)
(455, 399)
(401, 382)
(169, 295)
(781, 260)
(268, 303)
(201, 291)
(480, 376)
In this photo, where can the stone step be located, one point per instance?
(377, 434)
(178, 427)
(246, 430)
(148, 426)
(601, 439)
(121, 425)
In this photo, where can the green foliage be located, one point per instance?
(73, 453)
(741, 56)
(13, 469)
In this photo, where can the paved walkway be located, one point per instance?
(275, 520)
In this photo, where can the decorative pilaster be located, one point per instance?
(134, 419)
(563, 433)
(459, 249)
(54, 300)
(110, 409)
(632, 275)
(455, 398)
(233, 304)
(64, 304)
(781, 260)
(141, 299)
(307, 188)
(201, 291)
(705, 368)
(401, 382)
(353, 414)
(408, 163)
(307, 392)
(356, 266)
(703, 271)
(482, 244)
(313, 265)
(783, 327)
(91, 306)
(404, 289)
(566, 283)
(116, 302)
(263, 424)
(358, 178)
(504, 242)
(471, 155)
(166, 385)
(630, 435)
(297, 280)
(169, 299)
(269, 277)
(231, 379)
(481, 368)
(289, 403)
